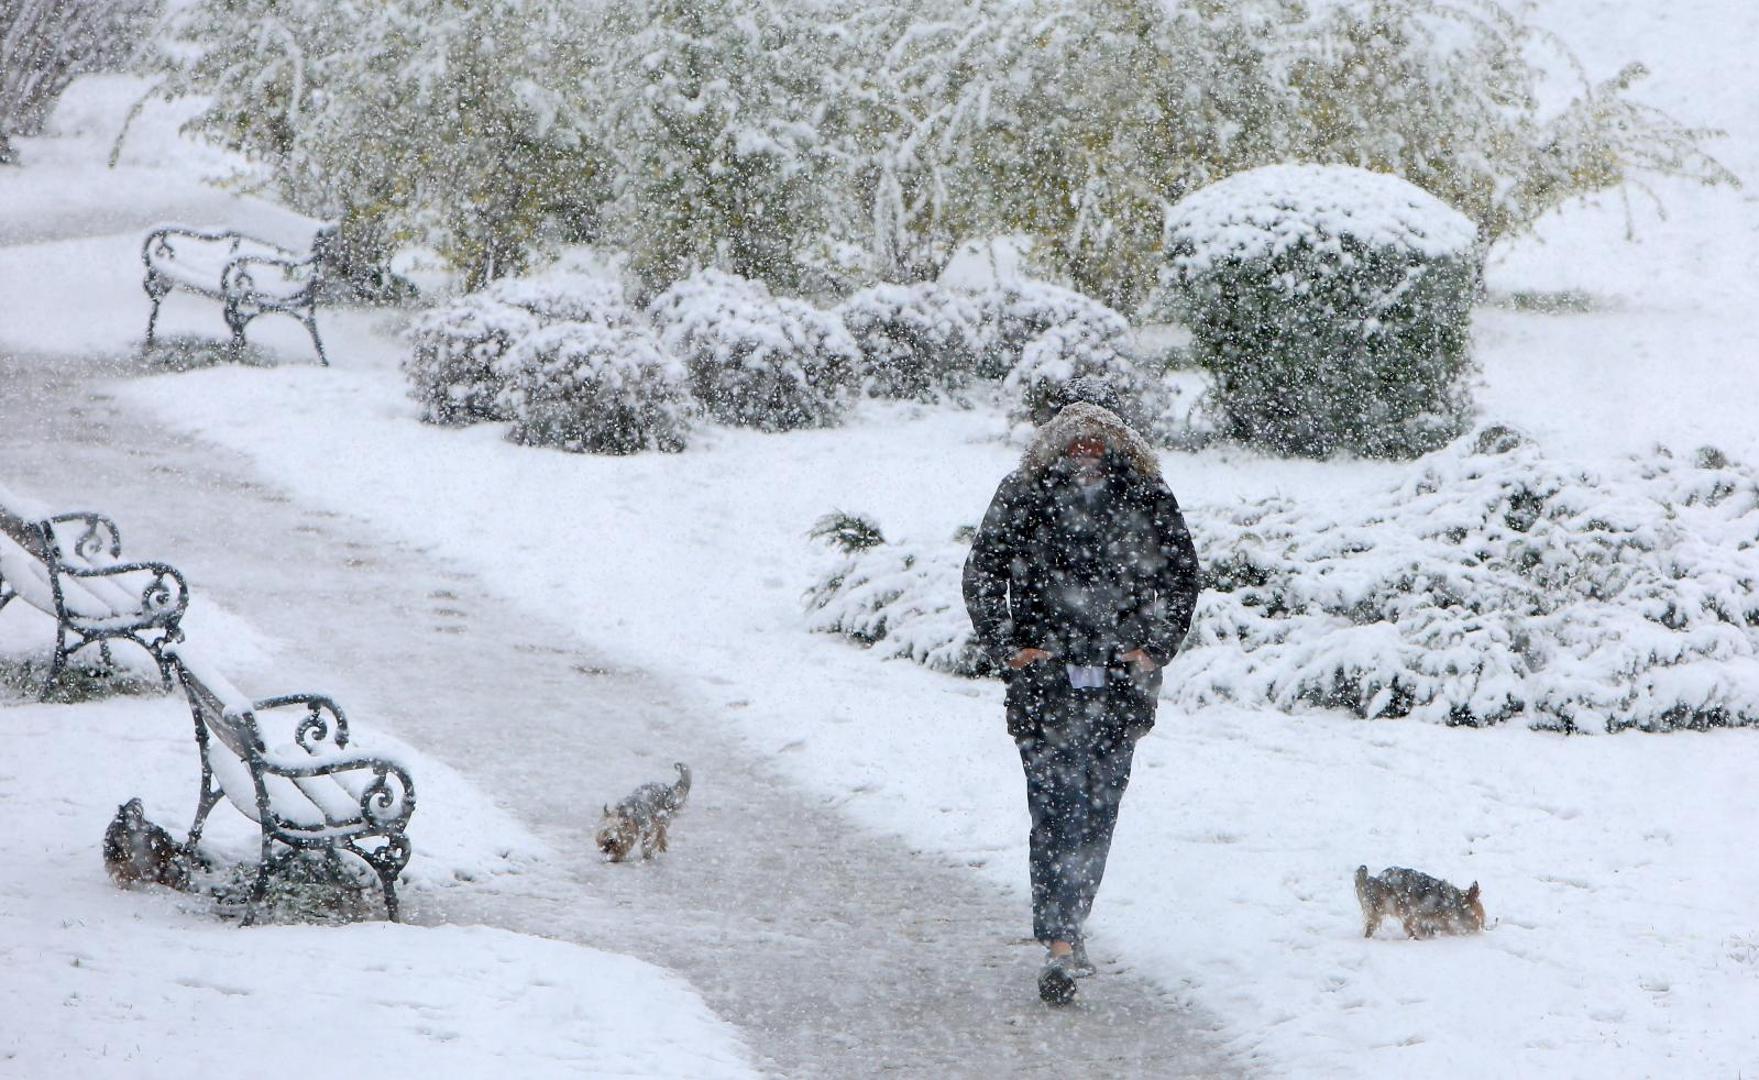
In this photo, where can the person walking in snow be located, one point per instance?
(1080, 584)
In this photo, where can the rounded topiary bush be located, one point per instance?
(755, 359)
(456, 348)
(593, 388)
(915, 340)
(1331, 305)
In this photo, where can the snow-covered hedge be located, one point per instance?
(1494, 585)
(1016, 313)
(1331, 304)
(755, 359)
(915, 340)
(593, 388)
(456, 347)
(901, 599)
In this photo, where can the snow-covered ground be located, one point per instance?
(1623, 943)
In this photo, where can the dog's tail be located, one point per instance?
(1362, 884)
(680, 790)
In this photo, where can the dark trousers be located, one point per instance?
(1077, 767)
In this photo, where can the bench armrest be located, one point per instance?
(259, 279)
(161, 599)
(98, 544)
(324, 728)
(382, 788)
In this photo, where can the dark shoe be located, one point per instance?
(1056, 983)
(1079, 965)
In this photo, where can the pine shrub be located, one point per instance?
(1332, 307)
(1016, 313)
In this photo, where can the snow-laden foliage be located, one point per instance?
(1332, 306)
(456, 347)
(809, 144)
(755, 359)
(1494, 585)
(46, 44)
(460, 125)
(711, 111)
(590, 387)
(915, 340)
(901, 599)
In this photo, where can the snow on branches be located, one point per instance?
(1495, 585)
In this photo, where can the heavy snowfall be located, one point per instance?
(614, 385)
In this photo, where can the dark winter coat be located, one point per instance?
(1087, 580)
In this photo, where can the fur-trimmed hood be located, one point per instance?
(1085, 420)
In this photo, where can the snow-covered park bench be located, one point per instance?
(285, 763)
(248, 276)
(69, 567)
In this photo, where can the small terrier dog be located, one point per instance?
(137, 852)
(1425, 905)
(640, 820)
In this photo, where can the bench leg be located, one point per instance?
(59, 664)
(152, 321)
(259, 891)
(311, 325)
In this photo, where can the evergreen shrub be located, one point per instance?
(589, 387)
(916, 341)
(457, 347)
(1331, 305)
(754, 359)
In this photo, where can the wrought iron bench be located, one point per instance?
(69, 567)
(285, 763)
(249, 277)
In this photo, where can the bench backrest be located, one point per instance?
(221, 708)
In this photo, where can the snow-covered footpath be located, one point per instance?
(1615, 868)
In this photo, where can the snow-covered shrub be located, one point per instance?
(915, 340)
(1072, 363)
(1494, 585)
(847, 532)
(456, 347)
(594, 388)
(754, 359)
(1016, 313)
(1332, 306)
(901, 599)
(46, 44)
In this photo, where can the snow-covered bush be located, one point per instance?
(901, 599)
(915, 340)
(1494, 585)
(594, 388)
(456, 347)
(755, 359)
(46, 44)
(1016, 313)
(1072, 363)
(1332, 306)
(454, 350)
